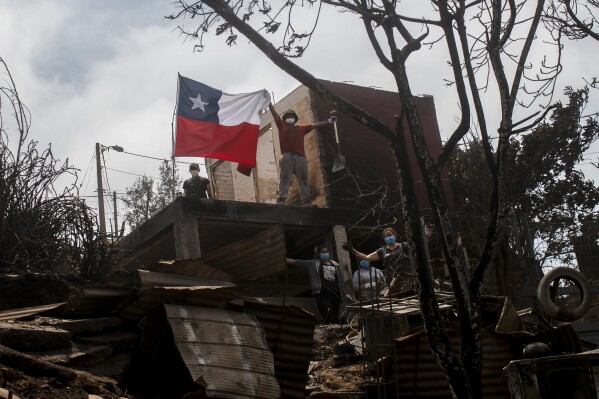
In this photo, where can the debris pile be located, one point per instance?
(326, 375)
(163, 334)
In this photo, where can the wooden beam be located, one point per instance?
(339, 237)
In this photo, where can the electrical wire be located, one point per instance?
(132, 174)
(89, 167)
(161, 159)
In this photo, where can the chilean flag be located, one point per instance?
(214, 124)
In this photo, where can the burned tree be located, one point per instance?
(144, 200)
(547, 196)
(42, 228)
(574, 18)
(486, 41)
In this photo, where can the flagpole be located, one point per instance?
(173, 140)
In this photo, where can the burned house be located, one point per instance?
(213, 311)
(362, 195)
(242, 236)
(370, 171)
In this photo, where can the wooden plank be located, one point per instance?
(12, 314)
(340, 236)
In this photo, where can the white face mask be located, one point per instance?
(194, 173)
(290, 121)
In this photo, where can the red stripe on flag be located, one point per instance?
(211, 140)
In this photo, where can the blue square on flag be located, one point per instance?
(197, 100)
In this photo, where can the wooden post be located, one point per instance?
(340, 236)
(116, 218)
(100, 190)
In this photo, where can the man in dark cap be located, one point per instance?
(293, 157)
(196, 186)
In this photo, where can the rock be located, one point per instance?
(536, 349)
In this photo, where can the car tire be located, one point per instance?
(547, 304)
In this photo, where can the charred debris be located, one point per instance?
(196, 328)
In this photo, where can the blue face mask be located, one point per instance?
(364, 263)
(390, 240)
(325, 256)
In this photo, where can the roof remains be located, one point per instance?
(224, 351)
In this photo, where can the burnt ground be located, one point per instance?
(324, 375)
(26, 289)
(34, 289)
(28, 387)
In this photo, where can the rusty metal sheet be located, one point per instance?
(419, 375)
(254, 257)
(225, 351)
(146, 279)
(290, 335)
(150, 299)
(190, 268)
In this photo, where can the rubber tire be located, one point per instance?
(544, 294)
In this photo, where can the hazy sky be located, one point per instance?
(106, 71)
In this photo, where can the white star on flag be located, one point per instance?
(198, 103)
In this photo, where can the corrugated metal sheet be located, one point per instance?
(419, 375)
(190, 268)
(226, 351)
(254, 257)
(148, 300)
(290, 335)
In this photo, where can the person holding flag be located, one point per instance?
(293, 157)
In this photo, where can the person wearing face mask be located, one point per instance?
(368, 281)
(394, 259)
(293, 158)
(196, 186)
(324, 282)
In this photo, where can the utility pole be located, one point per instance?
(116, 220)
(174, 189)
(100, 191)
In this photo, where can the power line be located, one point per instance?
(89, 167)
(159, 159)
(129, 173)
